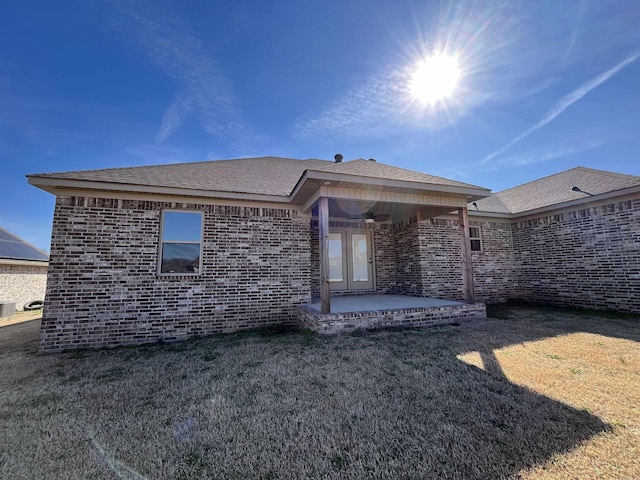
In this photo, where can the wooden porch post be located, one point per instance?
(323, 221)
(467, 265)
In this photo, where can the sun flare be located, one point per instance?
(435, 78)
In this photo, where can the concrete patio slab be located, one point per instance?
(349, 313)
(366, 303)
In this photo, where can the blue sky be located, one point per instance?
(544, 86)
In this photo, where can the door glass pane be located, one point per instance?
(360, 257)
(335, 257)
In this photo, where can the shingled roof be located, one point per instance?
(556, 189)
(370, 168)
(262, 175)
(275, 176)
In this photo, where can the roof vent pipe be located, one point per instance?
(372, 159)
(338, 158)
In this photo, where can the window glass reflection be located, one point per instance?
(182, 227)
(335, 257)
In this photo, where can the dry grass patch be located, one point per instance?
(20, 317)
(385, 404)
(597, 370)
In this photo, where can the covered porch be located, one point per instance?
(379, 257)
(349, 313)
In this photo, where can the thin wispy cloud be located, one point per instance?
(547, 153)
(576, 28)
(360, 109)
(563, 104)
(517, 94)
(154, 154)
(485, 36)
(204, 88)
(376, 106)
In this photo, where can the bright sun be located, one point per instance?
(434, 78)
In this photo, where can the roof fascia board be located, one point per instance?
(595, 200)
(476, 213)
(28, 263)
(502, 217)
(308, 205)
(299, 184)
(53, 185)
(173, 198)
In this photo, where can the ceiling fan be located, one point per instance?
(370, 217)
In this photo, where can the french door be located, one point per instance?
(350, 260)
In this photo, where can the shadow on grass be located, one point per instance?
(272, 403)
(23, 336)
(549, 320)
(480, 424)
(394, 404)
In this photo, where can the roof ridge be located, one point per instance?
(358, 160)
(579, 167)
(567, 185)
(608, 173)
(541, 178)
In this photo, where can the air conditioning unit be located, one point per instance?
(7, 309)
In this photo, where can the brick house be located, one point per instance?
(171, 251)
(23, 270)
(570, 239)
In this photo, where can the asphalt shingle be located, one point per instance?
(368, 168)
(556, 189)
(262, 175)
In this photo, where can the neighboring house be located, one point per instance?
(170, 251)
(23, 270)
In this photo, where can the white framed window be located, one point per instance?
(476, 240)
(180, 242)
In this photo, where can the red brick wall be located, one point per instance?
(385, 259)
(424, 259)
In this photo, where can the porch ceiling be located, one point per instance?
(351, 197)
(356, 210)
